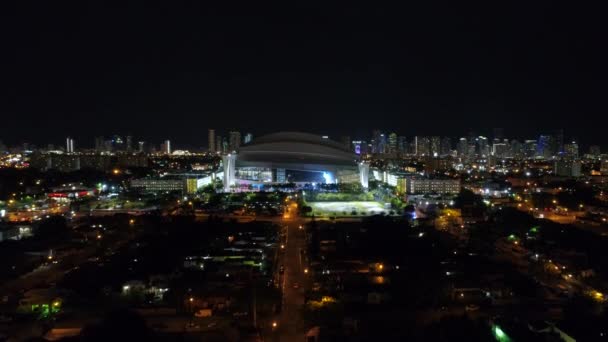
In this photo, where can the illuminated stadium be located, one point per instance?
(291, 157)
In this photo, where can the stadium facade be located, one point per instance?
(292, 157)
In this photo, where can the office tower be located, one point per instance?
(211, 141)
(530, 147)
(218, 144)
(129, 146)
(543, 147)
(422, 146)
(140, 147)
(107, 145)
(99, 144)
(118, 144)
(225, 145)
(375, 139)
(69, 145)
(483, 147)
(392, 143)
(234, 140)
(166, 147)
(462, 147)
(557, 143)
(248, 138)
(516, 149)
(435, 146)
(499, 149)
(571, 150)
(594, 150)
(402, 144)
(446, 146)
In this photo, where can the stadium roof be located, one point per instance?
(295, 148)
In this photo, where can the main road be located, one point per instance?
(290, 325)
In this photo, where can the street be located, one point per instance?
(290, 324)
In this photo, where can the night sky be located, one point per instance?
(85, 69)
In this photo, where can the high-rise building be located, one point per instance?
(435, 146)
(166, 147)
(129, 147)
(235, 140)
(462, 148)
(118, 144)
(211, 141)
(529, 148)
(422, 146)
(140, 147)
(516, 149)
(99, 144)
(446, 146)
(375, 138)
(69, 145)
(594, 151)
(544, 147)
(248, 138)
(571, 150)
(218, 144)
(483, 146)
(392, 143)
(499, 149)
(557, 143)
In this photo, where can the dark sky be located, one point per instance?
(84, 68)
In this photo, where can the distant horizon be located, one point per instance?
(203, 144)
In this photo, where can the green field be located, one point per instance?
(351, 208)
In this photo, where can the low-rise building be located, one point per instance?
(421, 185)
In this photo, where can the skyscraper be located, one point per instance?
(594, 150)
(571, 150)
(557, 143)
(211, 140)
(140, 147)
(376, 141)
(435, 146)
(234, 140)
(544, 147)
(69, 145)
(483, 146)
(99, 144)
(166, 147)
(462, 147)
(422, 146)
(129, 143)
(446, 146)
(218, 144)
(392, 143)
(402, 144)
